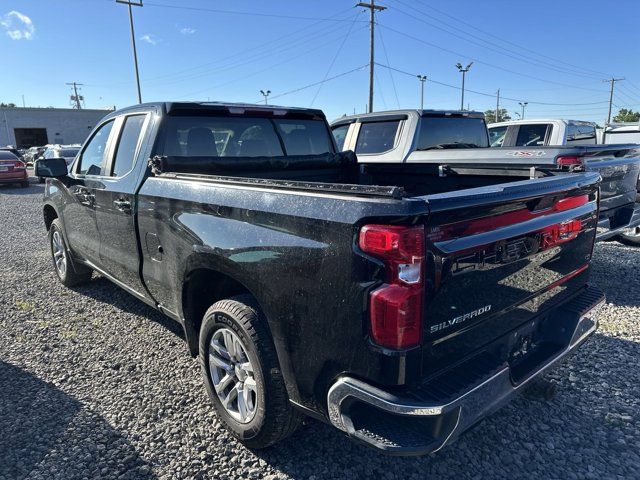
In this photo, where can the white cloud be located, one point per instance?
(150, 39)
(17, 25)
(187, 31)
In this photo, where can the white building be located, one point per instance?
(27, 127)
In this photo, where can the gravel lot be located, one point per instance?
(95, 384)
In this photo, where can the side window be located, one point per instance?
(531, 135)
(496, 136)
(90, 162)
(340, 135)
(126, 149)
(377, 137)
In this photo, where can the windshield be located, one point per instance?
(452, 132)
(244, 137)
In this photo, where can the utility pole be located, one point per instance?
(422, 78)
(463, 71)
(75, 97)
(612, 82)
(134, 3)
(523, 104)
(372, 21)
(23, 104)
(265, 95)
(497, 105)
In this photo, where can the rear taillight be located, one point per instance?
(395, 308)
(569, 162)
(19, 166)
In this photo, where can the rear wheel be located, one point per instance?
(69, 274)
(242, 375)
(631, 237)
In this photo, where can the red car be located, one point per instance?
(12, 169)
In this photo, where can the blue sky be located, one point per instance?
(555, 53)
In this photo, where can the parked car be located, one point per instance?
(627, 132)
(13, 150)
(67, 152)
(455, 142)
(572, 132)
(536, 133)
(400, 307)
(12, 169)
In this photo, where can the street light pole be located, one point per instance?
(265, 95)
(134, 3)
(464, 72)
(422, 78)
(523, 104)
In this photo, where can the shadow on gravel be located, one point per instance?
(15, 189)
(104, 291)
(528, 438)
(44, 429)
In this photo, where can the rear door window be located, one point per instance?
(452, 132)
(127, 145)
(377, 137)
(532, 135)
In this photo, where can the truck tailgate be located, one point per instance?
(498, 256)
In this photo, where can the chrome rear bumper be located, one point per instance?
(409, 425)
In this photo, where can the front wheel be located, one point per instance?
(242, 374)
(631, 237)
(69, 274)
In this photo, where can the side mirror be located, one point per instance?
(51, 168)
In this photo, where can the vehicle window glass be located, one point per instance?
(126, 149)
(496, 136)
(69, 152)
(48, 154)
(304, 137)
(581, 134)
(531, 135)
(452, 132)
(93, 155)
(340, 135)
(377, 137)
(205, 136)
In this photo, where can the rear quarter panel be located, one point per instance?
(293, 251)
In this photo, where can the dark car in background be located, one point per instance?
(68, 152)
(12, 169)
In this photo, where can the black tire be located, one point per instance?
(74, 273)
(631, 240)
(274, 418)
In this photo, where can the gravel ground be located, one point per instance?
(95, 384)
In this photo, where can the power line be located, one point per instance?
(486, 63)
(518, 46)
(372, 61)
(335, 57)
(393, 81)
(321, 81)
(500, 50)
(489, 94)
(235, 12)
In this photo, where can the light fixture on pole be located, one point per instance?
(518, 113)
(422, 78)
(265, 95)
(523, 104)
(463, 71)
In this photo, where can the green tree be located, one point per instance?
(503, 116)
(625, 115)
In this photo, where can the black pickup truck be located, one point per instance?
(309, 287)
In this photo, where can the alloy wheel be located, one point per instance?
(59, 254)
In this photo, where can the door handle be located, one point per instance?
(85, 196)
(122, 205)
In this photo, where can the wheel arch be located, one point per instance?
(50, 214)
